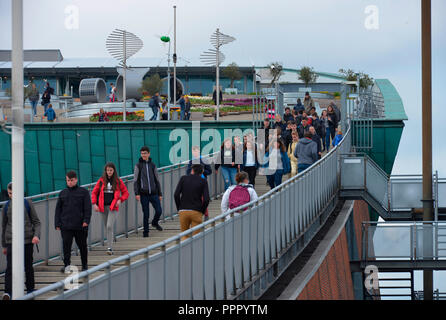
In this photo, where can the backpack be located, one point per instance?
(238, 197)
(28, 208)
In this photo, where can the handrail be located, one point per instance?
(176, 238)
(127, 177)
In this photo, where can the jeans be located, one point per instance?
(45, 106)
(155, 114)
(29, 271)
(34, 107)
(182, 113)
(327, 139)
(275, 179)
(302, 167)
(109, 218)
(251, 171)
(228, 176)
(80, 236)
(154, 199)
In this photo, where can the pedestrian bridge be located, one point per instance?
(238, 258)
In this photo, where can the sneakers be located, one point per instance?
(63, 269)
(109, 251)
(157, 227)
(84, 268)
(145, 235)
(206, 218)
(6, 297)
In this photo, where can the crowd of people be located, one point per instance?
(288, 148)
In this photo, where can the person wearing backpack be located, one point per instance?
(154, 104)
(107, 196)
(192, 199)
(32, 237)
(239, 194)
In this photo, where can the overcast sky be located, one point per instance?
(324, 34)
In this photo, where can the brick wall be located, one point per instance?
(333, 280)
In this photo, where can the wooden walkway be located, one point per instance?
(48, 274)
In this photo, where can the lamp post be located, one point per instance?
(17, 150)
(174, 57)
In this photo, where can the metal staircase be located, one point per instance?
(395, 198)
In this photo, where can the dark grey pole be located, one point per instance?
(426, 51)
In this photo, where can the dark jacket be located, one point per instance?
(46, 97)
(188, 106)
(333, 120)
(316, 138)
(207, 168)
(299, 107)
(301, 130)
(32, 224)
(288, 117)
(73, 208)
(33, 95)
(222, 160)
(214, 96)
(154, 102)
(192, 193)
(282, 125)
(337, 112)
(182, 104)
(146, 178)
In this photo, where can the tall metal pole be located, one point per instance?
(17, 150)
(426, 53)
(217, 81)
(124, 80)
(168, 84)
(174, 56)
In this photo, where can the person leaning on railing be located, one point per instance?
(32, 236)
(107, 196)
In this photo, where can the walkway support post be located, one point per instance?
(426, 48)
(17, 151)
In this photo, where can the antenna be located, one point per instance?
(121, 45)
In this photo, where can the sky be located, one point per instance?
(324, 34)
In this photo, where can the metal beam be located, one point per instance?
(426, 52)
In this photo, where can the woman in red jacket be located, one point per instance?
(107, 196)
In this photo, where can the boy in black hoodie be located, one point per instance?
(148, 189)
(73, 213)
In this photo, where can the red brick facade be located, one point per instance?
(333, 279)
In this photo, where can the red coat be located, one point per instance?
(117, 196)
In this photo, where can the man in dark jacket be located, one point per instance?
(72, 217)
(192, 199)
(148, 189)
(303, 128)
(316, 138)
(207, 170)
(32, 236)
(287, 116)
(154, 104)
(337, 112)
(306, 152)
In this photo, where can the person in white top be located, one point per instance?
(238, 195)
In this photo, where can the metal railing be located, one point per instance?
(228, 257)
(128, 220)
(406, 241)
(396, 193)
